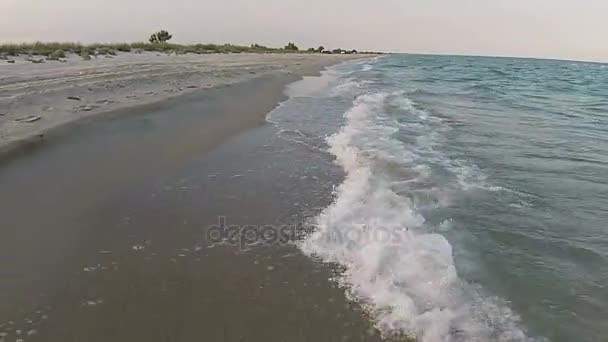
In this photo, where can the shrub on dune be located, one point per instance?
(123, 47)
(85, 55)
(56, 55)
(291, 47)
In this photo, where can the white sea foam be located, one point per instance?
(367, 67)
(468, 176)
(313, 86)
(403, 273)
(347, 86)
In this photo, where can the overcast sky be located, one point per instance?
(570, 29)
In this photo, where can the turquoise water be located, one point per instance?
(490, 178)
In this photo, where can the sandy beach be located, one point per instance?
(105, 225)
(36, 98)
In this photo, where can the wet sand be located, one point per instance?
(104, 228)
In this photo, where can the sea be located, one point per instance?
(473, 204)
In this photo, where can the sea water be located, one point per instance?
(474, 205)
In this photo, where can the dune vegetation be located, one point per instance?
(158, 42)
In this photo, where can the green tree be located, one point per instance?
(258, 47)
(320, 49)
(161, 36)
(291, 47)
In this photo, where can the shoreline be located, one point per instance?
(55, 96)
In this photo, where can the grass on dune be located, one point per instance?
(56, 50)
(50, 49)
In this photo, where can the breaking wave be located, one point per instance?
(398, 268)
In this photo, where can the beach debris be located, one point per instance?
(75, 98)
(11, 61)
(36, 61)
(138, 248)
(236, 176)
(191, 87)
(84, 108)
(29, 119)
(3, 114)
(92, 268)
(92, 302)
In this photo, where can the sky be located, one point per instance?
(564, 29)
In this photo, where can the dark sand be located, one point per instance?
(103, 229)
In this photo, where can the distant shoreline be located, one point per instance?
(59, 50)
